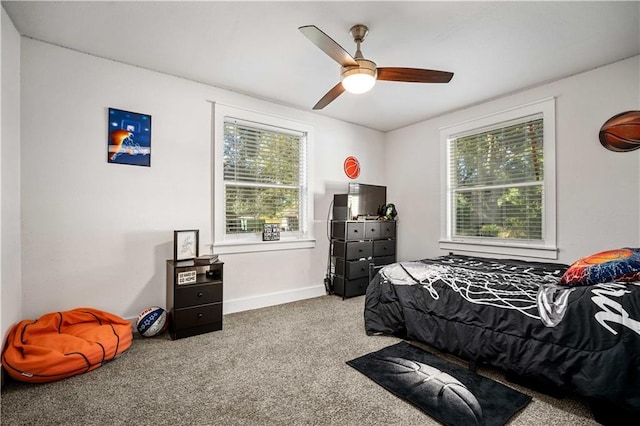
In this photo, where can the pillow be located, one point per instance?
(611, 265)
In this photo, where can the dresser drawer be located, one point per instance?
(350, 288)
(384, 260)
(353, 250)
(388, 229)
(384, 248)
(352, 269)
(372, 229)
(197, 316)
(197, 294)
(347, 230)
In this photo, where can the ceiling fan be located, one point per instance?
(358, 75)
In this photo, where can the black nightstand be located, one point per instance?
(194, 304)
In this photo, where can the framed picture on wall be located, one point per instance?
(129, 139)
(185, 244)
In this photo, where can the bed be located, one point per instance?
(523, 318)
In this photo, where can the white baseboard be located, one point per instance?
(263, 300)
(271, 299)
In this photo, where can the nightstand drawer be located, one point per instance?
(197, 316)
(198, 294)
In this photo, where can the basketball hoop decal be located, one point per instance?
(352, 167)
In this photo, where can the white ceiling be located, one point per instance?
(255, 48)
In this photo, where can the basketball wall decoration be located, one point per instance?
(621, 133)
(352, 167)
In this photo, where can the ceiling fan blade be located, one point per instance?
(414, 75)
(328, 45)
(331, 95)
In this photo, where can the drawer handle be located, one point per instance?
(200, 314)
(355, 231)
(359, 250)
(200, 294)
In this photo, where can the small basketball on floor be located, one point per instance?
(152, 321)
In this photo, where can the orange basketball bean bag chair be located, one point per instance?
(62, 344)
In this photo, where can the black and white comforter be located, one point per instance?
(512, 315)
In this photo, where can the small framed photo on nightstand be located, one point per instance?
(185, 244)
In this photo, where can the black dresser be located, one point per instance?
(354, 245)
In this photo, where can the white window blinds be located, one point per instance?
(496, 179)
(264, 177)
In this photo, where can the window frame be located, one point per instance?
(547, 247)
(224, 243)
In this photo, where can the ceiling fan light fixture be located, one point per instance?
(361, 78)
(359, 75)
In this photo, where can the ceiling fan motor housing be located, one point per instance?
(365, 66)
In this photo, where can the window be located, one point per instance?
(500, 183)
(260, 177)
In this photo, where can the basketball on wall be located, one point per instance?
(621, 133)
(352, 167)
(152, 321)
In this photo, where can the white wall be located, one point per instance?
(598, 191)
(98, 234)
(11, 284)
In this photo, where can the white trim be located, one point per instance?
(544, 249)
(224, 244)
(261, 301)
(497, 117)
(271, 299)
(536, 251)
(229, 247)
(263, 126)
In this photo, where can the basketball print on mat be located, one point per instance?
(152, 321)
(444, 391)
(352, 167)
(621, 133)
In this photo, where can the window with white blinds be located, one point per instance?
(497, 181)
(265, 180)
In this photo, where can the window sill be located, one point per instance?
(230, 247)
(505, 249)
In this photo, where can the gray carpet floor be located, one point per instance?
(281, 365)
